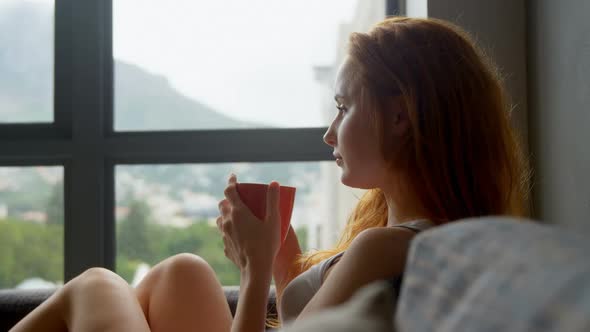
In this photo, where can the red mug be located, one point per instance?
(254, 196)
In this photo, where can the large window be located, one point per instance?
(141, 109)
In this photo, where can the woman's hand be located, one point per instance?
(252, 244)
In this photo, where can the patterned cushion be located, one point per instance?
(496, 274)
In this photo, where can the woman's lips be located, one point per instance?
(339, 161)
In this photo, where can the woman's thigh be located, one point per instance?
(182, 293)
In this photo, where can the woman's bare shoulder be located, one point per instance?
(381, 239)
(378, 239)
(390, 237)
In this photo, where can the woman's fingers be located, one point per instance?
(232, 196)
(224, 207)
(218, 222)
(272, 200)
(231, 192)
(226, 246)
(229, 250)
(224, 220)
(224, 225)
(233, 179)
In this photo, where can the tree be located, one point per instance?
(134, 240)
(55, 205)
(21, 260)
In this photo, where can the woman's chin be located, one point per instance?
(345, 181)
(354, 183)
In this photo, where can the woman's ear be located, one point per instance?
(400, 122)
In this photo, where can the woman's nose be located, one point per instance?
(329, 136)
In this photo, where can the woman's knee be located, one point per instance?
(96, 278)
(95, 285)
(176, 275)
(183, 289)
(186, 267)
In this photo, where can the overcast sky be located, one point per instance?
(251, 60)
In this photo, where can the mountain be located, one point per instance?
(144, 101)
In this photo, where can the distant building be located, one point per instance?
(34, 216)
(3, 211)
(121, 212)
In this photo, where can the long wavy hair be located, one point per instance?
(461, 157)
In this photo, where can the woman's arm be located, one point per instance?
(251, 311)
(284, 261)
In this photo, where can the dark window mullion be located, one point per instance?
(261, 145)
(392, 7)
(86, 231)
(63, 61)
(31, 131)
(108, 84)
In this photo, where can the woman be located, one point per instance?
(422, 123)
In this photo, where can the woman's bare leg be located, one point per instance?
(97, 300)
(182, 293)
(48, 316)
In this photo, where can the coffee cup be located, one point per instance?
(254, 197)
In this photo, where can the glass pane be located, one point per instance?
(168, 209)
(185, 64)
(26, 61)
(31, 227)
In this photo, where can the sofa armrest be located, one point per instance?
(16, 304)
(232, 293)
(496, 274)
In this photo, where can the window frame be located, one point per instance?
(82, 138)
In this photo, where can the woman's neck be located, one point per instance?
(404, 209)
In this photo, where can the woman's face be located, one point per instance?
(351, 134)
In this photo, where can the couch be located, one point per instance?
(484, 274)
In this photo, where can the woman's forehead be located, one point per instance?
(346, 79)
